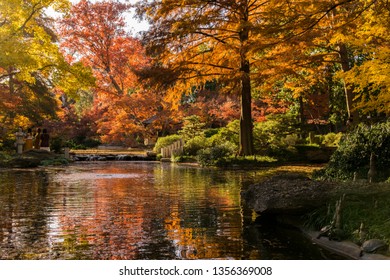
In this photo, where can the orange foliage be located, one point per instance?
(125, 110)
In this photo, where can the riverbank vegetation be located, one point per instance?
(305, 71)
(243, 84)
(364, 213)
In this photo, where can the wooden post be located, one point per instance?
(66, 153)
(372, 171)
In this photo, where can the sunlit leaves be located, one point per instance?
(25, 36)
(29, 61)
(94, 35)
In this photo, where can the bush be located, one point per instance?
(211, 132)
(79, 143)
(290, 140)
(192, 146)
(165, 141)
(192, 127)
(248, 161)
(275, 135)
(210, 156)
(91, 143)
(73, 145)
(227, 135)
(332, 139)
(7, 144)
(353, 153)
(56, 144)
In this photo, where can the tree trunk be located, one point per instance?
(246, 125)
(353, 115)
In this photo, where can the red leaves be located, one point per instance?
(95, 34)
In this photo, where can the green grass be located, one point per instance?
(246, 161)
(367, 204)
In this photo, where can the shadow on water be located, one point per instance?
(137, 211)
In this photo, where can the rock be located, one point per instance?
(32, 158)
(287, 194)
(374, 246)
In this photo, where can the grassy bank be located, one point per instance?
(365, 212)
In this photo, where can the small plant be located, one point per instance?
(56, 145)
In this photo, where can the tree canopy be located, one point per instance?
(221, 60)
(247, 45)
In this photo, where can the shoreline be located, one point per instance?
(345, 248)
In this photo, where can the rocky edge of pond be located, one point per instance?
(36, 157)
(284, 198)
(33, 158)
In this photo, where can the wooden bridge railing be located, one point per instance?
(175, 149)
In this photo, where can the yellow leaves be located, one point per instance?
(339, 38)
(25, 43)
(21, 121)
(371, 82)
(60, 6)
(70, 79)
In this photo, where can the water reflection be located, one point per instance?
(134, 211)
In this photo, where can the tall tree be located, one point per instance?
(370, 75)
(348, 35)
(95, 35)
(203, 40)
(30, 63)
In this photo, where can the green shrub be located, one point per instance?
(332, 139)
(248, 161)
(91, 143)
(229, 134)
(275, 135)
(192, 127)
(211, 132)
(210, 156)
(7, 144)
(73, 145)
(165, 141)
(192, 146)
(76, 144)
(353, 153)
(290, 140)
(56, 144)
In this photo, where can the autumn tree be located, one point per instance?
(31, 65)
(344, 40)
(95, 35)
(370, 76)
(203, 40)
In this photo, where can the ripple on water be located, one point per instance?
(93, 176)
(129, 211)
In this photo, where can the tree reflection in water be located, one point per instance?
(127, 210)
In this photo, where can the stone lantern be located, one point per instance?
(19, 140)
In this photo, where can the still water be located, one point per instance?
(135, 210)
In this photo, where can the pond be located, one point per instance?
(137, 210)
